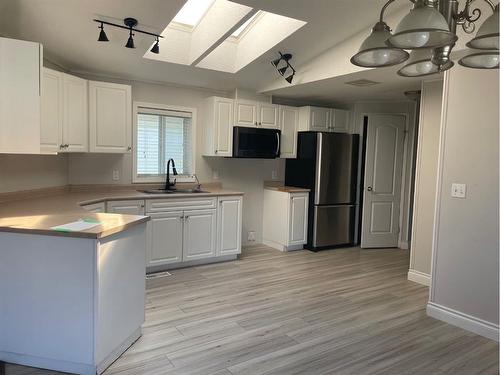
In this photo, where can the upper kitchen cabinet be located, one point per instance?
(64, 123)
(110, 117)
(340, 120)
(20, 76)
(289, 117)
(219, 127)
(314, 119)
(256, 114)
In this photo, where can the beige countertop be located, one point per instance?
(288, 189)
(39, 214)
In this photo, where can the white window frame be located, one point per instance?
(141, 180)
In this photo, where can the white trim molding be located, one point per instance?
(403, 244)
(467, 322)
(419, 277)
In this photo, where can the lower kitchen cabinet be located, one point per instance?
(229, 225)
(199, 234)
(165, 238)
(126, 207)
(96, 208)
(285, 219)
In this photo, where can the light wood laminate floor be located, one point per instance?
(345, 311)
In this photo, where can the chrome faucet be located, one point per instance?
(170, 185)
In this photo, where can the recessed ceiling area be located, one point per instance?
(221, 35)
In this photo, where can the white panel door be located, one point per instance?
(126, 207)
(199, 234)
(224, 127)
(382, 190)
(246, 113)
(298, 219)
(340, 120)
(269, 116)
(52, 111)
(320, 119)
(164, 238)
(20, 68)
(289, 117)
(229, 226)
(110, 121)
(75, 114)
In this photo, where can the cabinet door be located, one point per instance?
(229, 226)
(110, 122)
(246, 113)
(75, 114)
(20, 66)
(269, 116)
(289, 128)
(298, 219)
(164, 238)
(320, 119)
(199, 234)
(340, 120)
(223, 127)
(52, 111)
(126, 207)
(95, 208)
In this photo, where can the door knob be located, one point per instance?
(369, 188)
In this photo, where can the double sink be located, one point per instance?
(173, 191)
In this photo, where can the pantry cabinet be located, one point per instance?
(20, 114)
(110, 117)
(218, 127)
(289, 117)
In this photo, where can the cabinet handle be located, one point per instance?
(256, 123)
(129, 148)
(260, 123)
(216, 151)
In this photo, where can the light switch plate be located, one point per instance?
(116, 175)
(458, 190)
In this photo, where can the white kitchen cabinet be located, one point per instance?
(200, 235)
(64, 123)
(340, 120)
(110, 117)
(218, 128)
(126, 207)
(229, 225)
(95, 208)
(246, 113)
(20, 114)
(269, 116)
(165, 238)
(289, 117)
(285, 218)
(314, 119)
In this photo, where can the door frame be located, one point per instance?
(405, 192)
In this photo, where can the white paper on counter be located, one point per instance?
(76, 226)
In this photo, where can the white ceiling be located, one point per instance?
(69, 36)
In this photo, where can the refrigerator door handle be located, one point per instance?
(277, 144)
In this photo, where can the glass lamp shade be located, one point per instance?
(423, 27)
(481, 60)
(375, 53)
(420, 64)
(487, 36)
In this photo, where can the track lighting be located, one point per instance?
(130, 24)
(282, 65)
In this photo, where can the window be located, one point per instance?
(162, 134)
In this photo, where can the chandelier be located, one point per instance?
(429, 31)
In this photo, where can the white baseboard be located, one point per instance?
(467, 322)
(281, 247)
(419, 277)
(403, 245)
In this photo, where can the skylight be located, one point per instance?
(243, 27)
(192, 12)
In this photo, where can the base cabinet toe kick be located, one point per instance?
(71, 304)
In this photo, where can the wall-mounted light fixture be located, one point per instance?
(282, 65)
(130, 24)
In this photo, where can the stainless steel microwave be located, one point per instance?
(256, 143)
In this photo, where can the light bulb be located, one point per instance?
(425, 67)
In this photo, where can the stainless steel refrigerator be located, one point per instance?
(327, 164)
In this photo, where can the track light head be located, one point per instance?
(156, 47)
(130, 41)
(276, 62)
(289, 79)
(102, 35)
(283, 70)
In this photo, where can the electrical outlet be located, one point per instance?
(251, 236)
(116, 175)
(274, 175)
(458, 190)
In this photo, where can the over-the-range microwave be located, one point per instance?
(256, 143)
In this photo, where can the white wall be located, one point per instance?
(409, 110)
(26, 172)
(243, 175)
(465, 282)
(425, 181)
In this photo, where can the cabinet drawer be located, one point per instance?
(180, 204)
(127, 207)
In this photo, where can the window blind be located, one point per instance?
(162, 135)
